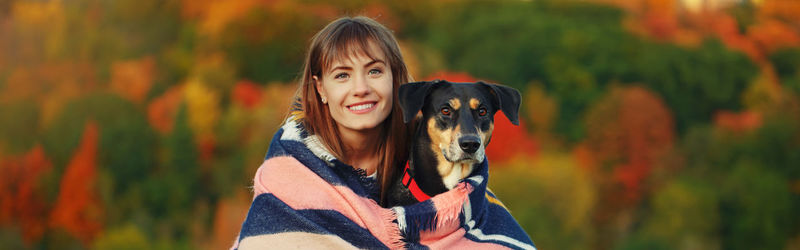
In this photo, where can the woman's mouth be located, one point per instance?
(360, 108)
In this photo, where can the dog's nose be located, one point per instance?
(469, 143)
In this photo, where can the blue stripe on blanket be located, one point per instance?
(269, 215)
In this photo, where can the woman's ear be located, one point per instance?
(320, 89)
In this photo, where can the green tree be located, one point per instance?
(695, 82)
(172, 191)
(754, 208)
(787, 65)
(684, 214)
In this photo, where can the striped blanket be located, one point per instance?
(306, 198)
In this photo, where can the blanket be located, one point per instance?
(305, 198)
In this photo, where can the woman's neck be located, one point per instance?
(361, 148)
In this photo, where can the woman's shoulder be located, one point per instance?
(291, 131)
(275, 170)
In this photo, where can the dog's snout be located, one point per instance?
(469, 143)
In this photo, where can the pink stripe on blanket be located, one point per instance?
(453, 239)
(300, 188)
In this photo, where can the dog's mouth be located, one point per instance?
(463, 158)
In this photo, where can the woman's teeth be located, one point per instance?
(362, 106)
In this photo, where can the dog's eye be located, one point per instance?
(482, 112)
(446, 111)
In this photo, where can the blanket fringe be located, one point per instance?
(395, 238)
(448, 205)
(446, 209)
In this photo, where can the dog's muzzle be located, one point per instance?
(467, 148)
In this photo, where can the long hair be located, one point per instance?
(343, 38)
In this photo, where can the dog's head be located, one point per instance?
(458, 117)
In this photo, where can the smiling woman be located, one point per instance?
(352, 71)
(345, 128)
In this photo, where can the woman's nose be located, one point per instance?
(361, 87)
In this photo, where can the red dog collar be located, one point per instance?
(412, 186)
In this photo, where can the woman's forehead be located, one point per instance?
(358, 59)
(352, 52)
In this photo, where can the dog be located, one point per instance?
(454, 123)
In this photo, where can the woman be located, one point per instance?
(329, 166)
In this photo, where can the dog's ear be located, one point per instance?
(508, 98)
(412, 96)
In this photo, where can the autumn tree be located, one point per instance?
(628, 131)
(78, 208)
(629, 128)
(22, 201)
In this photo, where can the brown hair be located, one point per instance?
(343, 38)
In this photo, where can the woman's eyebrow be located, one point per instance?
(343, 67)
(340, 67)
(374, 62)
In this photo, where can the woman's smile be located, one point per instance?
(362, 107)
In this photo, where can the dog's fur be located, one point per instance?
(451, 133)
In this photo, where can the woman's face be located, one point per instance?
(358, 91)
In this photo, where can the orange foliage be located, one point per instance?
(161, 111)
(788, 10)
(738, 122)
(246, 93)
(41, 81)
(77, 208)
(214, 16)
(660, 18)
(19, 201)
(629, 129)
(726, 28)
(584, 157)
(772, 34)
(660, 26)
(657, 19)
(381, 13)
(132, 79)
(228, 220)
(206, 145)
(50, 84)
(509, 140)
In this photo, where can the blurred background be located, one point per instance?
(646, 124)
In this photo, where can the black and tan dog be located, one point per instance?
(450, 136)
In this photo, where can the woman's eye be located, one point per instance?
(341, 76)
(482, 112)
(374, 72)
(446, 111)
